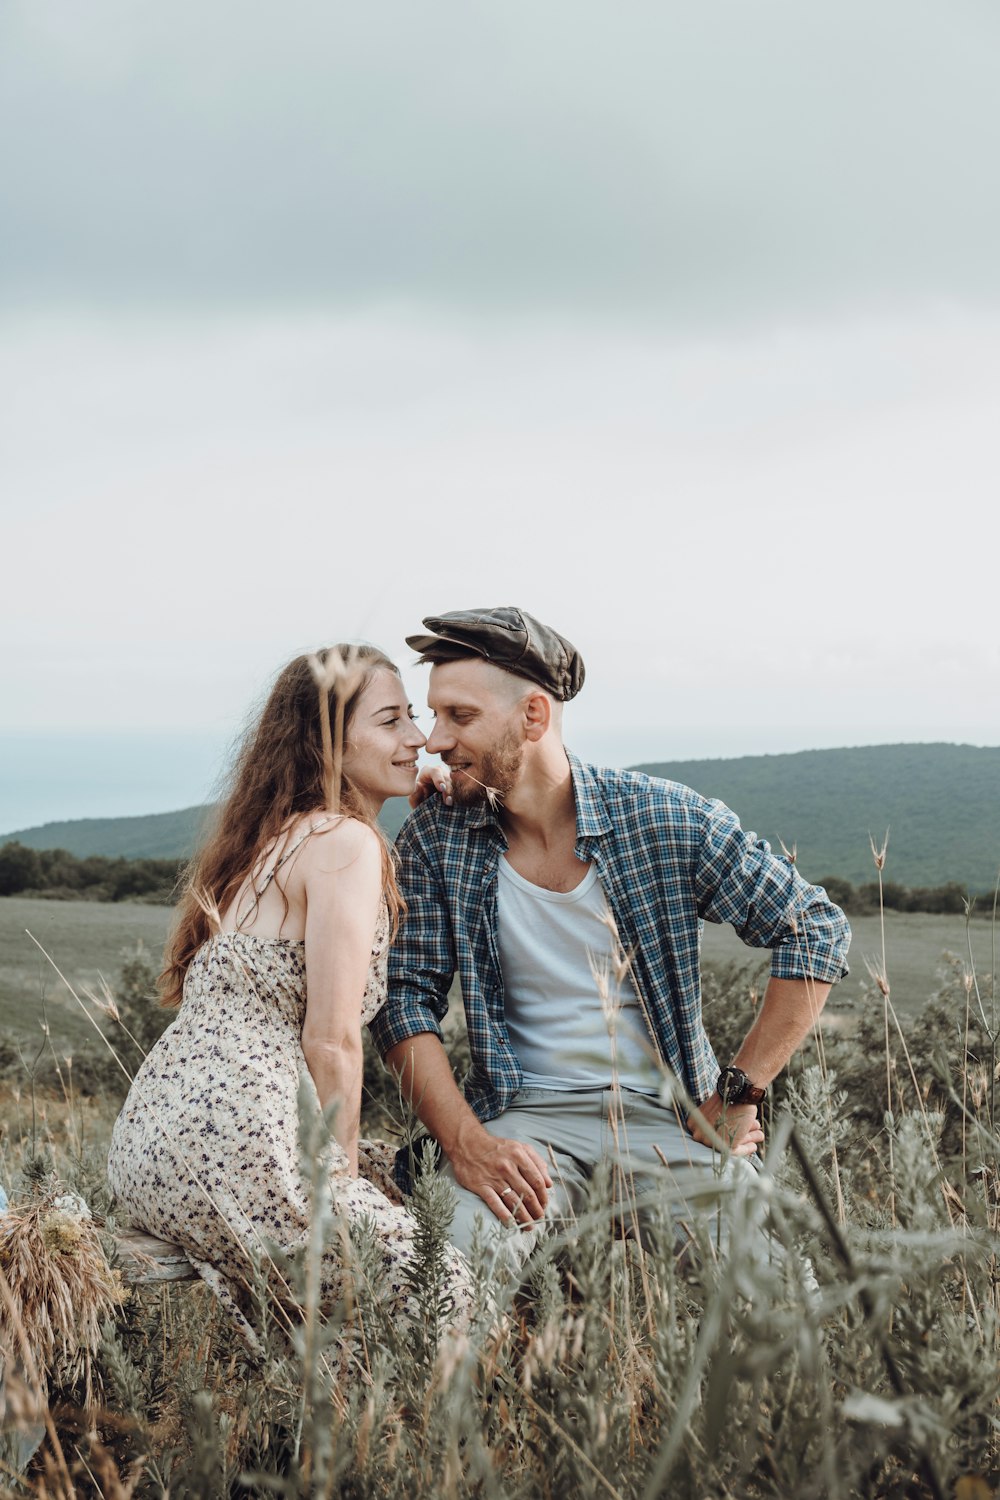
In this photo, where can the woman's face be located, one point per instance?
(381, 744)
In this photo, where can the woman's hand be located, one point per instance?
(432, 779)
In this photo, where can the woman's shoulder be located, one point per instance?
(335, 839)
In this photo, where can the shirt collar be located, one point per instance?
(592, 820)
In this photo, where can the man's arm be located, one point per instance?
(422, 956)
(789, 1010)
(739, 880)
(511, 1178)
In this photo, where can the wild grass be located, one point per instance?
(860, 1357)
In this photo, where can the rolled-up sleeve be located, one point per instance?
(739, 880)
(422, 958)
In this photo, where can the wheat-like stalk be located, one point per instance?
(60, 1283)
(341, 672)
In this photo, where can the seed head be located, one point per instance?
(876, 969)
(105, 1000)
(878, 853)
(342, 670)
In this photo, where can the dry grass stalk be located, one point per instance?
(881, 978)
(344, 672)
(791, 854)
(492, 794)
(61, 1287)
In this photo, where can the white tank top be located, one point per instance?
(557, 955)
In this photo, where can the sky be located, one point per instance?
(677, 326)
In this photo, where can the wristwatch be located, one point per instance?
(734, 1087)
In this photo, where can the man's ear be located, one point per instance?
(537, 715)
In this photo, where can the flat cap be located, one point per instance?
(509, 638)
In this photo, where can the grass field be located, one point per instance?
(88, 939)
(916, 945)
(85, 938)
(612, 1370)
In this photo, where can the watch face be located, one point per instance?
(732, 1084)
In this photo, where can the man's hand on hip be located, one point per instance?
(736, 1124)
(510, 1176)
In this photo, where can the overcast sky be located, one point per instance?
(678, 326)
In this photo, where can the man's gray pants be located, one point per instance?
(658, 1172)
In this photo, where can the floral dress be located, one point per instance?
(206, 1150)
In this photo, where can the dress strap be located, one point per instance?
(313, 828)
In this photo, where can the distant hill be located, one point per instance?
(171, 835)
(941, 803)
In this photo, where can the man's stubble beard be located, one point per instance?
(498, 771)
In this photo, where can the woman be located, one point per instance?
(277, 958)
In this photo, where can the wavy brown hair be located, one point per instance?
(289, 763)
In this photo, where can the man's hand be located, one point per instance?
(510, 1177)
(736, 1124)
(432, 779)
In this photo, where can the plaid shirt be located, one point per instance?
(667, 859)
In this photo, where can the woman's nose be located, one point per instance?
(415, 737)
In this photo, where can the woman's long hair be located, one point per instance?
(289, 763)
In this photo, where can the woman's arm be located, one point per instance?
(343, 888)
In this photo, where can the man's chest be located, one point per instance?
(551, 869)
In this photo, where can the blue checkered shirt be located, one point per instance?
(667, 858)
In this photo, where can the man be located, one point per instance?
(568, 899)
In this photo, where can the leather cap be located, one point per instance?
(509, 638)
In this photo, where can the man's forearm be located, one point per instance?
(423, 1069)
(789, 1011)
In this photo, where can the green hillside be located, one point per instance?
(171, 835)
(941, 803)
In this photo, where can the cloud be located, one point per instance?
(700, 162)
(759, 543)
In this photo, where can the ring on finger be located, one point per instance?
(504, 1192)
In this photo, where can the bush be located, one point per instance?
(45, 872)
(20, 868)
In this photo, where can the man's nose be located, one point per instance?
(439, 740)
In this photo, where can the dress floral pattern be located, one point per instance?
(206, 1151)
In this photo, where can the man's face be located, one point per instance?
(478, 731)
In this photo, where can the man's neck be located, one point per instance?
(542, 802)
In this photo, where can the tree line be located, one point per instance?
(862, 900)
(56, 873)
